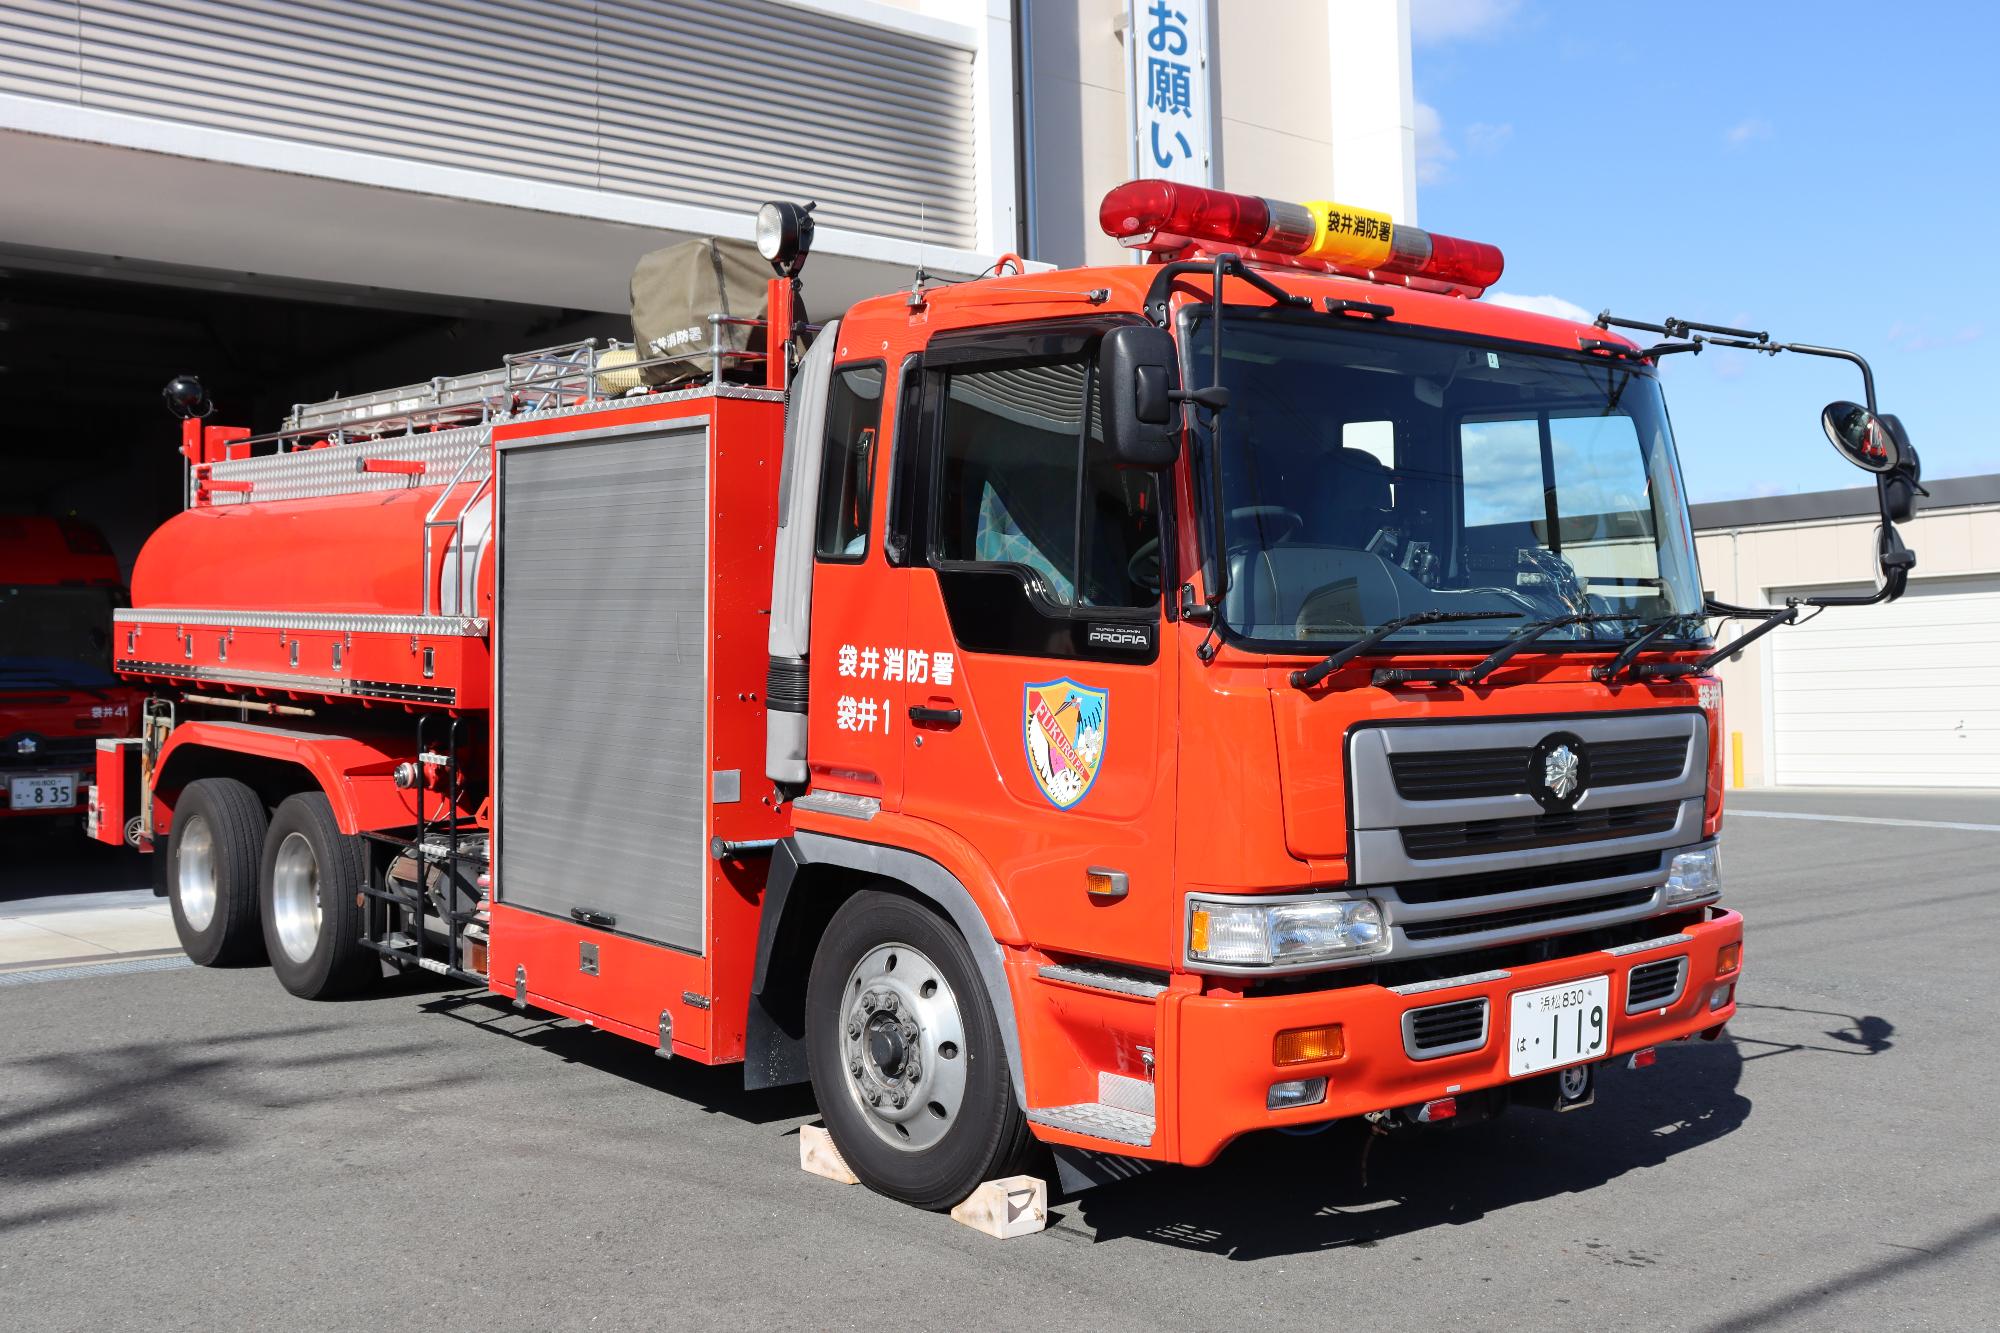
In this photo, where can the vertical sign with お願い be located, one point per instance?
(1167, 90)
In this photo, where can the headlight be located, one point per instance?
(1695, 876)
(1266, 934)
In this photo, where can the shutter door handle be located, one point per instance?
(590, 917)
(935, 717)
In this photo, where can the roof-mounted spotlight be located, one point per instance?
(186, 398)
(785, 235)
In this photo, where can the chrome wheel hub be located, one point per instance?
(903, 1043)
(295, 897)
(194, 878)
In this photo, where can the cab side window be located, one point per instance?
(1026, 481)
(847, 464)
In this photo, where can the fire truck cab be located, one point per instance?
(1116, 709)
(59, 583)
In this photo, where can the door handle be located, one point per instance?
(591, 917)
(935, 717)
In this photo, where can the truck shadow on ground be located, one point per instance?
(1459, 1174)
(1412, 1181)
(715, 1088)
(71, 1116)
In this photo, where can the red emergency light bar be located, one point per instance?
(1169, 219)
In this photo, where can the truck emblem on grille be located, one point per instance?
(1558, 771)
(26, 745)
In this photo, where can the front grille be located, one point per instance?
(1445, 1029)
(1452, 888)
(1627, 763)
(1446, 775)
(1426, 842)
(1529, 916)
(1655, 985)
(66, 752)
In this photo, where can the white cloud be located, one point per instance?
(1434, 152)
(1487, 139)
(1745, 131)
(1454, 20)
(1919, 338)
(1553, 306)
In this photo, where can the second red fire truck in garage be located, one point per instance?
(1116, 709)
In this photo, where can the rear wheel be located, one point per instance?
(312, 873)
(211, 872)
(906, 1054)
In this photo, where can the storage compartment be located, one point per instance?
(601, 642)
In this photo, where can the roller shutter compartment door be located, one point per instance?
(602, 638)
(1901, 695)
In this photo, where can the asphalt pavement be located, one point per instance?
(183, 1148)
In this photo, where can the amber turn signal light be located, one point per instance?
(1297, 1046)
(1729, 959)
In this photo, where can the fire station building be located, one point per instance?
(294, 198)
(1906, 694)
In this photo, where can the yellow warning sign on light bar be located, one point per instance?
(1345, 235)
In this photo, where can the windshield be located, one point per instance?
(1368, 476)
(55, 636)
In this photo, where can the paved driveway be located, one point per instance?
(191, 1149)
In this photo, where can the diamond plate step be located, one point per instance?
(1098, 1121)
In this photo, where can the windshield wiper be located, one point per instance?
(1650, 632)
(1307, 677)
(1472, 675)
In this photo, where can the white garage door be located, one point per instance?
(1902, 695)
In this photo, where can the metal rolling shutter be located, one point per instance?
(1902, 695)
(38, 48)
(720, 103)
(601, 638)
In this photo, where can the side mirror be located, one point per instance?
(1893, 562)
(1138, 375)
(1868, 441)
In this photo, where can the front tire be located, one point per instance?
(210, 865)
(312, 924)
(906, 1055)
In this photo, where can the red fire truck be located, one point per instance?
(1117, 709)
(59, 584)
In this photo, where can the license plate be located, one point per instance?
(44, 793)
(1559, 1025)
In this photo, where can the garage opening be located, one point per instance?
(86, 344)
(1905, 694)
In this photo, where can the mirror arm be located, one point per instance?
(1784, 615)
(1838, 354)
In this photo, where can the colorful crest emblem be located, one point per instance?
(1063, 725)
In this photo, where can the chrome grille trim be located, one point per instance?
(1448, 1013)
(1378, 805)
(1620, 950)
(1379, 857)
(1447, 983)
(1396, 912)
(1644, 977)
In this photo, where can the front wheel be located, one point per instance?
(907, 1060)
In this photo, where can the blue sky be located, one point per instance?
(1824, 171)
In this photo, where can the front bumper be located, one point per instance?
(1219, 1058)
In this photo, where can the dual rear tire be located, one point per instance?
(246, 887)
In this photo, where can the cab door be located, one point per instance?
(1040, 704)
(860, 608)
